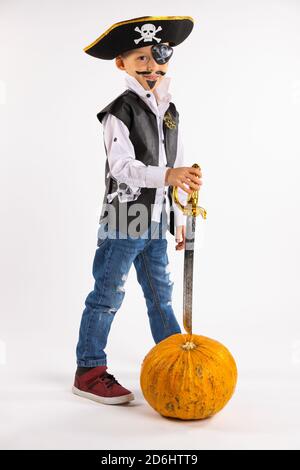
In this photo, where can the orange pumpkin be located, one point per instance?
(188, 376)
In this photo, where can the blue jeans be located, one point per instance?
(113, 259)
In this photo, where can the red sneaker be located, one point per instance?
(98, 385)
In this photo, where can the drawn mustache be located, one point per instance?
(151, 73)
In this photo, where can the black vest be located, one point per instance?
(143, 133)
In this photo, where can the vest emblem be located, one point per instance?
(169, 121)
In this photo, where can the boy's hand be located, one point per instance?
(184, 174)
(180, 237)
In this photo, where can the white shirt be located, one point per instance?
(123, 165)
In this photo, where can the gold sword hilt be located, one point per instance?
(191, 207)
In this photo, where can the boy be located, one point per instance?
(144, 156)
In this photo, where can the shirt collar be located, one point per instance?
(161, 92)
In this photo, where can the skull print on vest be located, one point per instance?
(124, 192)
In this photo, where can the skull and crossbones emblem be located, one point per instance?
(148, 32)
(125, 193)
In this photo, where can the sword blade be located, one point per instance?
(188, 273)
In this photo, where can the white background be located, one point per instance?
(236, 84)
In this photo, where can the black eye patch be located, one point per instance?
(162, 53)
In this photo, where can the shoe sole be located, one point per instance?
(105, 400)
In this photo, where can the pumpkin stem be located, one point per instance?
(188, 345)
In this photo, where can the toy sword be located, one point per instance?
(191, 210)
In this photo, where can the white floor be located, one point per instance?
(38, 411)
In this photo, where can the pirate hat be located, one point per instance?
(140, 32)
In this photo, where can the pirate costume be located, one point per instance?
(141, 142)
(126, 183)
(121, 37)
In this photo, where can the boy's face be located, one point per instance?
(140, 64)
